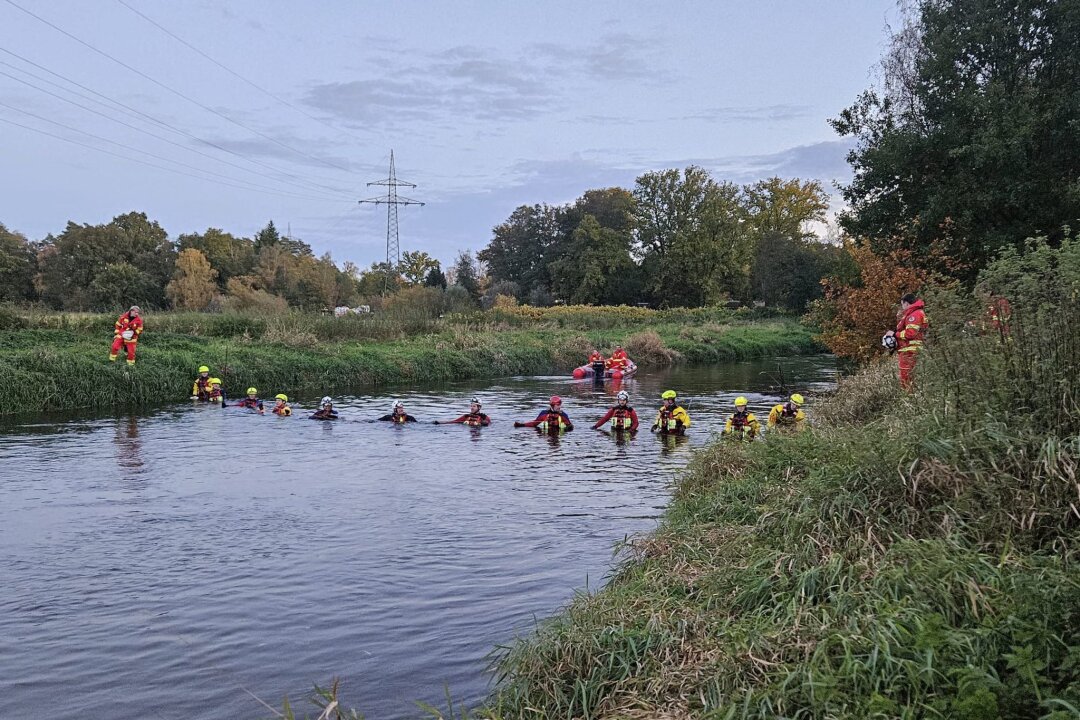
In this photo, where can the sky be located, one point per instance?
(209, 114)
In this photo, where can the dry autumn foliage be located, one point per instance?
(852, 318)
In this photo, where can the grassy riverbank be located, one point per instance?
(910, 556)
(58, 361)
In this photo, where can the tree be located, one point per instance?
(596, 267)
(120, 285)
(230, 256)
(467, 274)
(435, 278)
(192, 286)
(787, 272)
(690, 237)
(416, 265)
(17, 265)
(267, 237)
(70, 262)
(972, 141)
(522, 247)
(784, 207)
(379, 278)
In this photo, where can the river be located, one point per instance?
(184, 561)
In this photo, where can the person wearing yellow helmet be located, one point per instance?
(788, 416)
(217, 393)
(252, 401)
(200, 390)
(742, 425)
(672, 418)
(281, 405)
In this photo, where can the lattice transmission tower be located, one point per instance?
(392, 200)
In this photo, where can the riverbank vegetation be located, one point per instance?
(58, 360)
(910, 556)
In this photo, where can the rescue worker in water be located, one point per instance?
(126, 332)
(551, 420)
(742, 425)
(788, 416)
(281, 405)
(473, 418)
(200, 390)
(623, 418)
(397, 415)
(672, 419)
(252, 401)
(326, 410)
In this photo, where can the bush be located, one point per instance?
(648, 348)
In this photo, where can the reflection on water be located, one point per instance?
(155, 564)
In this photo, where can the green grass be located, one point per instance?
(60, 362)
(910, 557)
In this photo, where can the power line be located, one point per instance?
(176, 92)
(137, 160)
(312, 185)
(232, 72)
(142, 130)
(392, 201)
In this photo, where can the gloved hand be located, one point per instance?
(519, 424)
(194, 397)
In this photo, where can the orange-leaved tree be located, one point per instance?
(852, 317)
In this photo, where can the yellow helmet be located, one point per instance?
(215, 381)
(252, 391)
(203, 368)
(668, 395)
(797, 399)
(282, 397)
(740, 401)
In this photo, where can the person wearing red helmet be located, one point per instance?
(551, 419)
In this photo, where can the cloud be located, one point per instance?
(825, 161)
(469, 83)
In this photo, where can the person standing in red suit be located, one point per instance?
(126, 332)
(910, 333)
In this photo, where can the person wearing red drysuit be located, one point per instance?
(126, 332)
(910, 333)
(622, 416)
(473, 418)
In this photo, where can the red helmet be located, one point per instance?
(555, 400)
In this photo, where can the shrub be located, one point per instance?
(648, 348)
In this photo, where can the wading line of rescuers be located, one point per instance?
(671, 418)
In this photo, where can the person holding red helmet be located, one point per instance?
(126, 332)
(552, 419)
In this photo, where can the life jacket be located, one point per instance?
(202, 388)
(911, 328)
(668, 422)
(251, 403)
(125, 322)
(552, 421)
(475, 420)
(622, 419)
(596, 358)
(284, 410)
(618, 359)
(740, 421)
(216, 395)
(399, 419)
(788, 414)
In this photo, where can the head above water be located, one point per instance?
(203, 370)
(252, 392)
(326, 402)
(554, 401)
(623, 397)
(215, 381)
(669, 396)
(475, 404)
(797, 399)
(281, 397)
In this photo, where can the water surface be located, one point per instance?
(182, 562)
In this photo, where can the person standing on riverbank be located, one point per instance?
(551, 420)
(671, 419)
(910, 333)
(126, 332)
(622, 416)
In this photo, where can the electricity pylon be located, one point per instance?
(391, 200)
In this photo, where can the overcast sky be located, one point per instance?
(487, 106)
